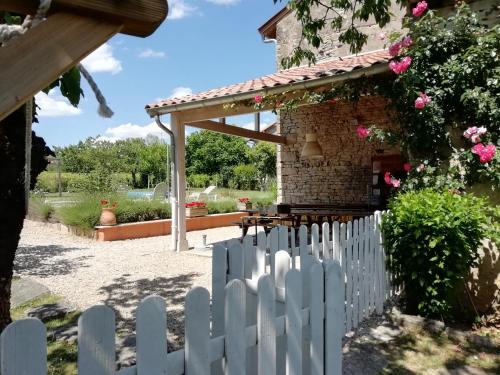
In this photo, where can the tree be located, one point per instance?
(339, 16)
(215, 153)
(263, 156)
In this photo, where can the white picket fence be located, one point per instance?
(355, 245)
(275, 309)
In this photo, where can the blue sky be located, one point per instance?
(202, 45)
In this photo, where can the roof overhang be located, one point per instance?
(211, 103)
(268, 29)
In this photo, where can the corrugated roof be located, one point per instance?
(319, 71)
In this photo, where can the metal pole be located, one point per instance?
(59, 183)
(173, 188)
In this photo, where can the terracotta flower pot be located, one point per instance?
(108, 217)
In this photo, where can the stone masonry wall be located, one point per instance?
(344, 174)
(288, 34)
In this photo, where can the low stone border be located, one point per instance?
(89, 233)
(437, 326)
(163, 227)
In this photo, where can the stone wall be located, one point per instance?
(288, 34)
(344, 175)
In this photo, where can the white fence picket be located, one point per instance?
(355, 273)
(334, 331)
(317, 292)
(235, 327)
(96, 341)
(315, 240)
(336, 241)
(326, 241)
(380, 265)
(348, 264)
(266, 326)
(235, 262)
(293, 319)
(23, 348)
(283, 238)
(273, 247)
(197, 347)
(151, 327)
(260, 255)
(249, 261)
(219, 281)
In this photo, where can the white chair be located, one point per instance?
(204, 195)
(160, 191)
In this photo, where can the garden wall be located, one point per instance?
(344, 175)
(164, 227)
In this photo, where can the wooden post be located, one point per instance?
(178, 128)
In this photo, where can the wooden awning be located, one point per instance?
(73, 29)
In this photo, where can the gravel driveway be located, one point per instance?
(120, 273)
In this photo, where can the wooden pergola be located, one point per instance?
(208, 110)
(73, 29)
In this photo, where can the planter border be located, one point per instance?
(163, 227)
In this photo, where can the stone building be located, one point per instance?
(348, 175)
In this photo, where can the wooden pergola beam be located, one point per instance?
(138, 17)
(240, 132)
(35, 59)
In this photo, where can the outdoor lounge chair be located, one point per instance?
(204, 195)
(160, 191)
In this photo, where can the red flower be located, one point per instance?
(388, 178)
(104, 202)
(332, 101)
(407, 167)
(363, 132)
(244, 200)
(258, 99)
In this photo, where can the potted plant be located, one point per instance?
(244, 204)
(194, 209)
(108, 216)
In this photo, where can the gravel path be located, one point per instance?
(120, 273)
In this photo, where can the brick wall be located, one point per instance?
(344, 174)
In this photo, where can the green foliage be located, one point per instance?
(214, 153)
(244, 177)
(39, 209)
(263, 157)
(221, 207)
(455, 61)
(85, 214)
(432, 240)
(79, 182)
(199, 180)
(335, 16)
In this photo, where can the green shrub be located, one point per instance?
(49, 182)
(199, 180)
(245, 177)
(221, 207)
(39, 209)
(432, 240)
(85, 214)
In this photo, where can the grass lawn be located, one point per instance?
(421, 352)
(61, 356)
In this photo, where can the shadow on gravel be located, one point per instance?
(125, 295)
(46, 261)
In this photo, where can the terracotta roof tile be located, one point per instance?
(284, 77)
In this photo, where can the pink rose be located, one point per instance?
(470, 131)
(485, 153)
(407, 41)
(394, 49)
(422, 100)
(258, 99)
(395, 182)
(388, 178)
(419, 9)
(407, 167)
(363, 132)
(474, 133)
(402, 66)
(475, 138)
(421, 167)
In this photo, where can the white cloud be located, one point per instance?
(251, 125)
(102, 60)
(151, 53)
(180, 9)
(55, 105)
(224, 2)
(130, 130)
(179, 92)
